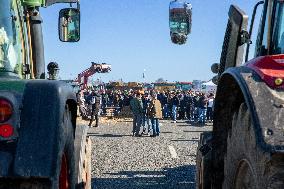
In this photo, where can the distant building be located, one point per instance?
(164, 86)
(124, 86)
(197, 85)
(148, 86)
(184, 86)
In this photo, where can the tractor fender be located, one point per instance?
(266, 106)
(41, 133)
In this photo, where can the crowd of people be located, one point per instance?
(148, 107)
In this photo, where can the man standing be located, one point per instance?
(136, 106)
(190, 106)
(82, 106)
(155, 113)
(164, 102)
(94, 99)
(104, 97)
(202, 108)
(146, 121)
(210, 107)
(174, 103)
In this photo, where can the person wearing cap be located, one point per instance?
(136, 106)
(154, 111)
(146, 121)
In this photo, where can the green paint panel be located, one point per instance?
(10, 85)
(34, 3)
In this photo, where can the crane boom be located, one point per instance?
(95, 68)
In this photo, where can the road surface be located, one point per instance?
(122, 161)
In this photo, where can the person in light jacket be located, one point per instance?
(155, 113)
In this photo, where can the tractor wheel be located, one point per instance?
(203, 161)
(67, 177)
(83, 158)
(245, 164)
(29, 184)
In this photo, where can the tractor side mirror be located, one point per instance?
(180, 14)
(69, 25)
(215, 79)
(215, 68)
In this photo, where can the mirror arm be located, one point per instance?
(78, 5)
(251, 27)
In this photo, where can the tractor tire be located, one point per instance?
(83, 154)
(66, 177)
(245, 164)
(29, 184)
(203, 161)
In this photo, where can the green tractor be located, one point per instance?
(41, 146)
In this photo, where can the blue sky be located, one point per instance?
(133, 35)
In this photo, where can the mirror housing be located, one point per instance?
(215, 68)
(51, 2)
(215, 79)
(179, 39)
(180, 21)
(69, 25)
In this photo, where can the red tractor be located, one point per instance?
(246, 147)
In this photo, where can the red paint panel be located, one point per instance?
(269, 68)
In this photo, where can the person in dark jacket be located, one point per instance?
(164, 102)
(136, 106)
(183, 101)
(174, 101)
(202, 103)
(104, 98)
(94, 99)
(190, 105)
(146, 121)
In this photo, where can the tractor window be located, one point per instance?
(8, 38)
(278, 34)
(264, 32)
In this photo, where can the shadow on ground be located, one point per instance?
(125, 121)
(107, 135)
(169, 178)
(185, 140)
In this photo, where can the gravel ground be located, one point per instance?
(122, 161)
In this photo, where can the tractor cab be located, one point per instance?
(270, 39)
(10, 46)
(21, 38)
(180, 13)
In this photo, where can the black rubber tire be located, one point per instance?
(83, 154)
(27, 184)
(69, 152)
(69, 148)
(245, 164)
(203, 163)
